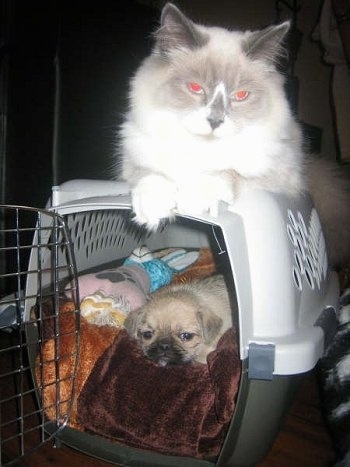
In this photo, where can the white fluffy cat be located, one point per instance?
(208, 118)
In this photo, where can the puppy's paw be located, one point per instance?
(204, 194)
(153, 199)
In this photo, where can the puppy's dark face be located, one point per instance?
(173, 330)
(167, 346)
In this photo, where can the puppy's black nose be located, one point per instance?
(163, 345)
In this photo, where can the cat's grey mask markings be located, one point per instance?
(177, 33)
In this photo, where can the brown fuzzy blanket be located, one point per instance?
(56, 371)
(118, 393)
(180, 410)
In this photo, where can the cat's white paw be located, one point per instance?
(204, 194)
(153, 199)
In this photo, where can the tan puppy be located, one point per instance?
(182, 323)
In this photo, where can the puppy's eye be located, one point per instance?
(146, 334)
(186, 336)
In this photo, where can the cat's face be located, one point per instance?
(212, 94)
(215, 80)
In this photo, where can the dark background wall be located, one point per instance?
(102, 43)
(65, 66)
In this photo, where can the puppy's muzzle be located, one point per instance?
(165, 352)
(164, 346)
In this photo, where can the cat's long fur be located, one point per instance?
(209, 118)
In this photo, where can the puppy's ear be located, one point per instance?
(131, 323)
(210, 324)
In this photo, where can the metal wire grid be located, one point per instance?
(35, 254)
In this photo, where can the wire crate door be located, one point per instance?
(35, 257)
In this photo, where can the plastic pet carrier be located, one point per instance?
(131, 412)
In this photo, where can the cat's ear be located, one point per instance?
(267, 44)
(177, 31)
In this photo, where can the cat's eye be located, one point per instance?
(240, 95)
(195, 88)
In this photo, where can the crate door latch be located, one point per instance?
(261, 361)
